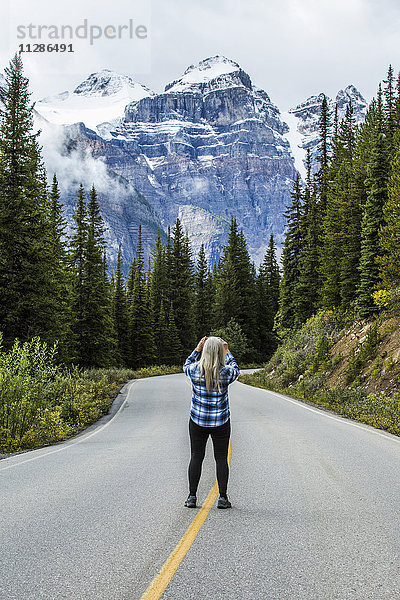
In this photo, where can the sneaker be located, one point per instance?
(223, 502)
(191, 501)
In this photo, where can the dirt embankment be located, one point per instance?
(379, 370)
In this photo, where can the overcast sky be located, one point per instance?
(290, 48)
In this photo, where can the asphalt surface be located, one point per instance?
(315, 506)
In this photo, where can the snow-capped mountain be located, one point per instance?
(303, 121)
(99, 101)
(210, 74)
(211, 146)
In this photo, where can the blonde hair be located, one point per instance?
(211, 361)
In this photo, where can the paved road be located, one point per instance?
(315, 506)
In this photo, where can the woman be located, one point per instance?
(209, 413)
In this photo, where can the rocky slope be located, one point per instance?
(304, 118)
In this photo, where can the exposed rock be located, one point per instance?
(308, 114)
(211, 146)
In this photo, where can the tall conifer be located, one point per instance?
(26, 288)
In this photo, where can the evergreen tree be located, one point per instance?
(203, 298)
(286, 315)
(389, 234)
(340, 235)
(390, 107)
(158, 295)
(77, 258)
(158, 276)
(272, 273)
(372, 216)
(397, 103)
(324, 124)
(168, 270)
(26, 288)
(143, 350)
(120, 315)
(60, 275)
(267, 301)
(161, 337)
(181, 288)
(307, 288)
(172, 351)
(97, 334)
(235, 286)
(237, 341)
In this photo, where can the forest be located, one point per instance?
(59, 287)
(341, 251)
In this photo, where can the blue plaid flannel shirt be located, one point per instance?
(210, 409)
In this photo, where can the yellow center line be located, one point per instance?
(167, 571)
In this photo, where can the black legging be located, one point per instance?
(198, 439)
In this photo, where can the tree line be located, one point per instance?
(57, 286)
(342, 248)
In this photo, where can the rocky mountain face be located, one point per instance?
(211, 146)
(70, 152)
(305, 117)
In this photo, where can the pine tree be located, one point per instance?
(228, 300)
(307, 288)
(372, 216)
(172, 352)
(168, 269)
(272, 273)
(77, 258)
(181, 287)
(97, 340)
(158, 295)
(60, 275)
(203, 298)
(26, 307)
(161, 336)
(340, 235)
(350, 203)
(397, 103)
(235, 286)
(158, 276)
(120, 314)
(286, 315)
(324, 124)
(267, 284)
(389, 234)
(143, 350)
(390, 107)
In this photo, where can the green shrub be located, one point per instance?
(336, 359)
(360, 356)
(377, 367)
(42, 403)
(321, 354)
(157, 370)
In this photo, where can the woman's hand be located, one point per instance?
(200, 345)
(225, 345)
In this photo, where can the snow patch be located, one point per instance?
(99, 100)
(295, 140)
